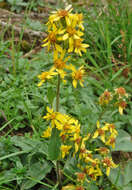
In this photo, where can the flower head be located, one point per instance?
(77, 75)
(121, 92)
(65, 150)
(46, 75)
(47, 133)
(59, 61)
(52, 116)
(108, 163)
(105, 98)
(122, 105)
(79, 46)
(99, 132)
(52, 38)
(60, 14)
(103, 150)
(111, 141)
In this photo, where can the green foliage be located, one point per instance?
(17, 5)
(24, 160)
(54, 145)
(122, 178)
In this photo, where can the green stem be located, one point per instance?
(57, 109)
(58, 94)
(13, 53)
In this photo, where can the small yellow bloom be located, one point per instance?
(60, 14)
(108, 163)
(79, 20)
(65, 150)
(121, 92)
(60, 62)
(94, 170)
(46, 75)
(122, 106)
(52, 39)
(103, 150)
(69, 187)
(111, 128)
(105, 98)
(111, 141)
(79, 46)
(99, 132)
(47, 133)
(71, 33)
(77, 139)
(53, 116)
(77, 75)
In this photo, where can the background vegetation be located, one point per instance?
(24, 160)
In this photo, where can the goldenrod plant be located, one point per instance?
(65, 37)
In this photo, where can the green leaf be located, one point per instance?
(128, 187)
(50, 95)
(116, 177)
(92, 186)
(128, 172)
(36, 173)
(27, 144)
(54, 145)
(123, 142)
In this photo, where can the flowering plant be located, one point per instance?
(65, 31)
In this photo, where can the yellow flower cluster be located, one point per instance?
(117, 98)
(89, 163)
(74, 142)
(65, 31)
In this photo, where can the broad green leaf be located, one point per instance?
(92, 186)
(116, 177)
(123, 142)
(54, 145)
(7, 176)
(27, 144)
(128, 172)
(50, 95)
(128, 187)
(36, 173)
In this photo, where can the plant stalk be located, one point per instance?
(57, 109)
(58, 94)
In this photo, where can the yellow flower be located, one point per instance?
(111, 128)
(52, 39)
(79, 20)
(47, 132)
(103, 150)
(79, 46)
(84, 153)
(111, 141)
(105, 97)
(71, 33)
(67, 125)
(69, 187)
(77, 75)
(77, 139)
(108, 163)
(121, 92)
(65, 150)
(51, 115)
(80, 176)
(60, 14)
(60, 62)
(94, 170)
(99, 132)
(46, 75)
(122, 106)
